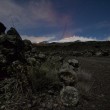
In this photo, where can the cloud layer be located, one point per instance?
(26, 15)
(31, 13)
(76, 38)
(37, 39)
(52, 39)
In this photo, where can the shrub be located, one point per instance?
(44, 77)
(85, 83)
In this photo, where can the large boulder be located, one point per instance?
(67, 76)
(69, 96)
(98, 53)
(12, 31)
(2, 28)
(14, 38)
(11, 45)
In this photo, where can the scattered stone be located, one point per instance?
(105, 53)
(55, 105)
(34, 50)
(31, 61)
(3, 107)
(49, 106)
(67, 66)
(2, 60)
(98, 53)
(57, 58)
(74, 63)
(29, 105)
(51, 92)
(88, 54)
(29, 70)
(42, 56)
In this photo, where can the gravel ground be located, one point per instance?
(99, 67)
(99, 99)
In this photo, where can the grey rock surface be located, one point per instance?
(69, 96)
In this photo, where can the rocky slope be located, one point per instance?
(32, 80)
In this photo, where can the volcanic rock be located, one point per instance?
(69, 96)
(68, 77)
(27, 45)
(2, 28)
(74, 63)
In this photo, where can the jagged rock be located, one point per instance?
(12, 42)
(41, 56)
(12, 45)
(13, 70)
(67, 76)
(69, 96)
(99, 53)
(57, 58)
(74, 63)
(12, 31)
(15, 67)
(3, 65)
(67, 66)
(31, 61)
(27, 45)
(105, 53)
(2, 60)
(34, 50)
(2, 28)
(14, 37)
(76, 53)
(2, 107)
(88, 54)
(2, 39)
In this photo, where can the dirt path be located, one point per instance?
(100, 70)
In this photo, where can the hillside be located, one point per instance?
(52, 76)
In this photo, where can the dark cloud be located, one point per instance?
(31, 13)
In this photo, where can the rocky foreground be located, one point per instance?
(32, 80)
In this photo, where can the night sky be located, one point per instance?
(58, 20)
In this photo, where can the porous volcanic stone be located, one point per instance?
(2, 28)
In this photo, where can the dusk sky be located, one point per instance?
(58, 20)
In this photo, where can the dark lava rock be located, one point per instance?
(13, 44)
(69, 96)
(67, 76)
(2, 60)
(2, 28)
(105, 53)
(14, 38)
(11, 49)
(12, 31)
(27, 45)
(74, 63)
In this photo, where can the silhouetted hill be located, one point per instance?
(75, 46)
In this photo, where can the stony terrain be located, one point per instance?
(34, 77)
(99, 67)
